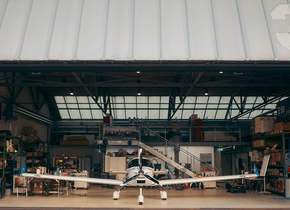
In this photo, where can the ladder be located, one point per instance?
(190, 155)
(166, 159)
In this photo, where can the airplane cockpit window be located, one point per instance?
(135, 162)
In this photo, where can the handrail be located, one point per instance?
(182, 150)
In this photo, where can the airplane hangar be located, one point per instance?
(154, 104)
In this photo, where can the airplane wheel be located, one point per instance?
(140, 203)
(164, 199)
(115, 199)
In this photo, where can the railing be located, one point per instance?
(190, 155)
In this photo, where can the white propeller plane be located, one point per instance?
(139, 173)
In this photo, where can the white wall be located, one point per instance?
(218, 159)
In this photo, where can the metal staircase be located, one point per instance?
(169, 161)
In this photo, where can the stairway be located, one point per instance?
(173, 163)
(166, 159)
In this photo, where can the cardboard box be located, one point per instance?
(35, 154)
(281, 126)
(122, 153)
(262, 124)
(258, 143)
(37, 187)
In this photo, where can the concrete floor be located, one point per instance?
(189, 198)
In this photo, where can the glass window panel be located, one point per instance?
(177, 100)
(130, 99)
(189, 99)
(191, 106)
(119, 100)
(153, 114)
(251, 99)
(212, 106)
(234, 112)
(259, 100)
(131, 113)
(154, 99)
(163, 114)
(255, 113)
(248, 106)
(70, 99)
(91, 100)
(142, 102)
(283, 98)
(187, 114)
(74, 114)
(210, 114)
(86, 114)
(142, 114)
(120, 114)
(61, 106)
(153, 106)
(164, 102)
(223, 106)
(244, 117)
(72, 106)
(202, 99)
(94, 106)
(214, 99)
(225, 99)
(64, 114)
(199, 113)
(82, 99)
(221, 114)
(177, 115)
(271, 106)
(130, 106)
(84, 106)
(59, 99)
(97, 114)
(200, 106)
(238, 99)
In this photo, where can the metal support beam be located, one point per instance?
(186, 94)
(270, 101)
(88, 91)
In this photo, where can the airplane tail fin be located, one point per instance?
(256, 170)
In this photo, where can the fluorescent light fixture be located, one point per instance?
(206, 92)
(139, 92)
(221, 72)
(71, 92)
(138, 72)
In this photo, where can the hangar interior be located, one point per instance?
(202, 86)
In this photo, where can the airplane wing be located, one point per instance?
(71, 178)
(206, 179)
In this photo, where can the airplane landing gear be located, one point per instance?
(163, 195)
(141, 197)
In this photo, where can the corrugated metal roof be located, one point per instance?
(145, 30)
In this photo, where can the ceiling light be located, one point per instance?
(138, 72)
(139, 92)
(71, 92)
(221, 72)
(206, 92)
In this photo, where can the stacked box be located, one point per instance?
(262, 124)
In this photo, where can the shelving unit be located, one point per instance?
(41, 149)
(282, 139)
(3, 138)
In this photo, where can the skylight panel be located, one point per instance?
(70, 99)
(59, 99)
(64, 114)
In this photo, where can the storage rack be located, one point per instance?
(4, 137)
(270, 139)
(41, 148)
